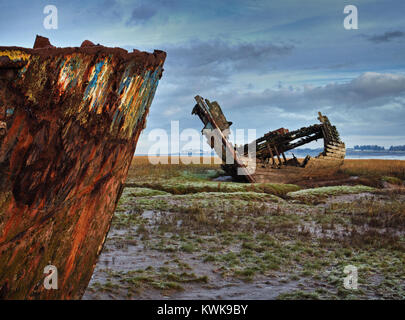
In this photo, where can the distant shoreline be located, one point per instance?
(352, 154)
(302, 153)
(349, 156)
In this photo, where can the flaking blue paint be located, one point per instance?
(147, 89)
(93, 81)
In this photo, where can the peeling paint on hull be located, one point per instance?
(73, 117)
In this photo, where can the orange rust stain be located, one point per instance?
(13, 221)
(79, 235)
(93, 153)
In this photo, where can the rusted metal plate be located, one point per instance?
(73, 117)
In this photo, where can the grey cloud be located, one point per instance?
(219, 52)
(368, 90)
(208, 66)
(372, 85)
(385, 37)
(372, 103)
(145, 10)
(141, 14)
(97, 13)
(198, 67)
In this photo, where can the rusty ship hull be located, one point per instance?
(70, 121)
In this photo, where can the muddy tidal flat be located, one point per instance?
(186, 232)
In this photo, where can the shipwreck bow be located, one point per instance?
(70, 119)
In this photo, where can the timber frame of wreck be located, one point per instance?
(269, 155)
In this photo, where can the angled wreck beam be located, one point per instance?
(271, 153)
(215, 120)
(277, 154)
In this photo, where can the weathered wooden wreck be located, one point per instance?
(268, 162)
(70, 119)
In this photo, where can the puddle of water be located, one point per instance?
(224, 179)
(148, 214)
(122, 255)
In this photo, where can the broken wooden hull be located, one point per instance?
(327, 164)
(268, 162)
(315, 169)
(73, 117)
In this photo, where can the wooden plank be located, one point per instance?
(285, 159)
(271, 153)
(338, 144)
(336, 151)
(328, 158)
(331, 146)
(278, 155)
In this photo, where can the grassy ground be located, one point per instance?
(375, 168)
(179, 234)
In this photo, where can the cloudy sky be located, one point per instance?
(269, 64)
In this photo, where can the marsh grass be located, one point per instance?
(378, 214)
(262, 231)
(135, 281)
(374, 168)
(316, 195)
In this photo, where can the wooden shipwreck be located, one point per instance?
(264, 159)
(70, 119)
